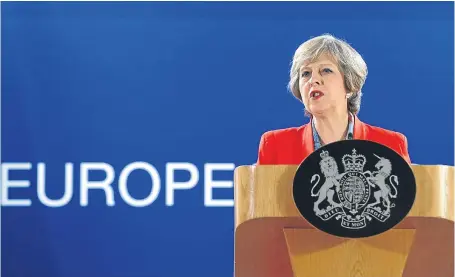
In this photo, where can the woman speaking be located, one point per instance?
(327, 76)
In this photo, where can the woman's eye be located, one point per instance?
(327, 70)
(305, 73)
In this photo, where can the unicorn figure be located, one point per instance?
(378, 178)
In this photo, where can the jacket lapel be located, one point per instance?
(307, 141)
(359, 129)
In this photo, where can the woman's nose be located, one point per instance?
(315, 79)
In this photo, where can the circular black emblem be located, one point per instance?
(354, 188)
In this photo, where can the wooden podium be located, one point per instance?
(272, 239)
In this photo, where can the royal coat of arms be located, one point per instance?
(354, 196)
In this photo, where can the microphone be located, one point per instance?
(350, 136)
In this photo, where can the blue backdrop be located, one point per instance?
(195, 83)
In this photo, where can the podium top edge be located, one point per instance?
(413, 165)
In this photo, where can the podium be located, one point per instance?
(272, 239)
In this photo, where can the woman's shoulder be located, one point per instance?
(393, 139)
(284, 133)
(281, 146)
(382, 133)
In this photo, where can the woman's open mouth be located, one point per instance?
(316, 94)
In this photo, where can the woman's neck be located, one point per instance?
(331, 128)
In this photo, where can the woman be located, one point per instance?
(327, 76)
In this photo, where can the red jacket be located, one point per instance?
(292, 145)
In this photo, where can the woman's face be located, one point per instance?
(322, 87)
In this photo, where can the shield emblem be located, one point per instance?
(354, 188)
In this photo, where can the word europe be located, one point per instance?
(107, 185)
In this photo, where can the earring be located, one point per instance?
(348, 95)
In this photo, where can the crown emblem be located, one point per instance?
(354, 162)
(324, 154)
